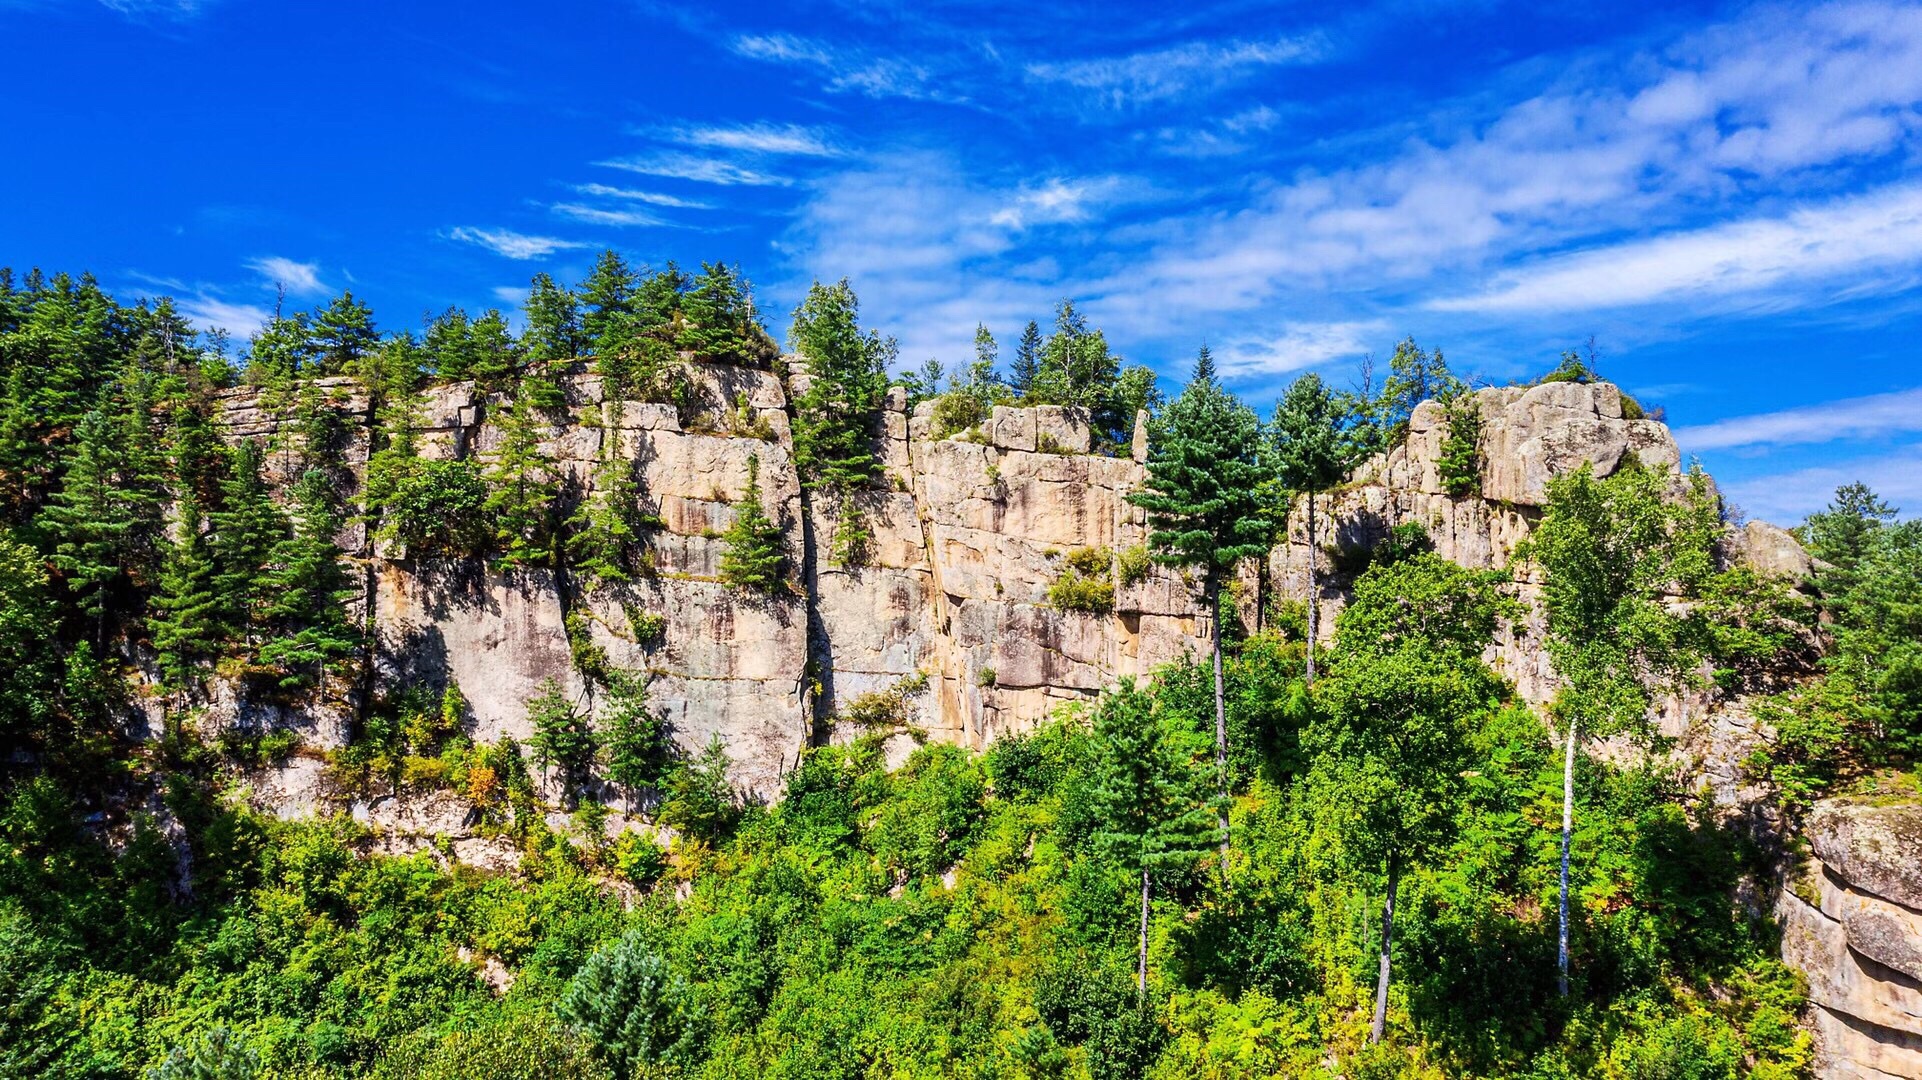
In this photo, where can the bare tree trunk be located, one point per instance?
(1141, 963)
(1568, 828)
(1380, 1026)
(1314, 590)
(1221, 716)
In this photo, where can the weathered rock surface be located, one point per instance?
(1860, 944)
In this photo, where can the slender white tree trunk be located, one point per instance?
(1221, 717)
(1380, 1026)
(1314, 590)
(1568, 828)
(1141, 961)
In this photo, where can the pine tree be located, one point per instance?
(602, 531)
(188, 627)
(660, 300)
(553, 333)
(753, 558)
(642, 1018)
(449, 345)
(607, 302)
(1204, 507)
(521, 490)
(1843, 534)
(343, 333)
(1307, 454)
(248, 528)
(837, 414)
(1148, 796)
(89, 523)
(308, 590)
(280, 350)
(718, 314)
(634, 739)
(562, 738)
(494, 355)
(1027, 364)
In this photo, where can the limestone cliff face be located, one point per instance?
(1854, 927)
(968, 534)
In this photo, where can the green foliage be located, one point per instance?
(633, 1009)
(563, 738)
(634, 739)
(1460, 461)
(309, 591)
(755, 555)
(1148, 788)
(699, 800)
(837, 414)
(1415, 375)
(187, 625)
(1872, 583)
(518, 1047)
(343, 333)
(438, 508)
(1201, 490)
(1074, 591)
(522, 490)
(216, 1056)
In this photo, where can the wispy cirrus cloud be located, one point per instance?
(1788, 497)
(651, 198)
(704, 170)
(298, 278)
(212, 313)
(761, 138)
(1298, 346)
(845, 68)
(1875, 416)
(1175, 71)
(596, 215)
(1848, 236)
(513, 245)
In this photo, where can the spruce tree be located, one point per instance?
(280, 350)
(308, 590)
(837, 414)
(247, 528)
(1204, 507)
(494, 355)
(449, 345)
(642, 1018)
(718, 314)
(187, 629)
(1308, 456)
(89, 523)
(562, 738)
(521, 490)
(343, 333)
(753, 558)
(1148, 797)
(607, 302)
(604, 527)
(553, 333)
(635, 742)
(1027, 364)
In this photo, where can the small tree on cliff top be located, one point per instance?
(1309, 455)
(1204, 507)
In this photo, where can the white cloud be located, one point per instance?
(298, 278)
(1053, 201)
(699, 169)
(847, 69)
(1870, 417)
(595, 215)
(1849, 236)
(511, 295)
(1787, 498)
(210, 313)
(760, 139)
(1172, 72)
(513, 245)
(177, 10)
(1298, 346)
(652, 198)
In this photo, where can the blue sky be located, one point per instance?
(1728, 198)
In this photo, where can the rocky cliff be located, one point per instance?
(968, 534)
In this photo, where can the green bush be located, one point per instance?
(437, 509)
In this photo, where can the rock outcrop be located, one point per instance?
(1853, 925)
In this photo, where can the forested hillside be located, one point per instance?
(1281, 853)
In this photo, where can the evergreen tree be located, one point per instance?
(837, 414)
(753, 558)
(280, 350)
(308, 590)
(1307, 452)
(449, 344)
(521, 490)
(343, 333)
(1844, 534)
(718, 314)
(553, 333)
(634, 739)
(189, 625)
(248, 528)
(638, 1014)
(700, 798)
(1076, 369)
(660, 300)
(1147, 794)
(1027, 363)
(1204, 507)
(218, 1055)
(90, 524)
(608, 302)
(493, 352)
(562, 738)
(604, 528)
